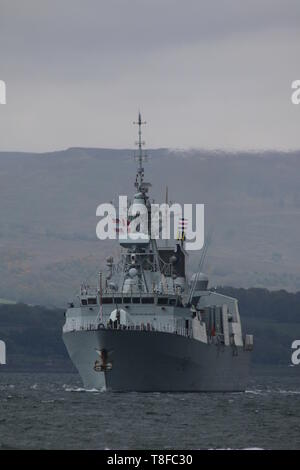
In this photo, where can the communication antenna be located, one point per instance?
(166, 210)
(100, 314)
(200, 265)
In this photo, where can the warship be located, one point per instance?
(147, 326)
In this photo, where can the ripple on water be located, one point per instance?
(87, 390)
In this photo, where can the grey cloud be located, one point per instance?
(220, 70)
(71, 26)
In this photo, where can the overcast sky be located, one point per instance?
(206, 74)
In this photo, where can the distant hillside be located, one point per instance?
(34, 342)
(33, 337)
(6, 301)
(48, 205)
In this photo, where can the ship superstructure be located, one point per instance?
(145, 326)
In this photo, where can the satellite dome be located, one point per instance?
(132, 272)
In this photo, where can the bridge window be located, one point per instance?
(162, 300)
(147, 300)
(92, 300)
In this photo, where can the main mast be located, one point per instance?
(143, 187)
(141, 157)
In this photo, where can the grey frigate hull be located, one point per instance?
(145, 361)
(146, 326)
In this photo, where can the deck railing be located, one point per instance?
(78, 325)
